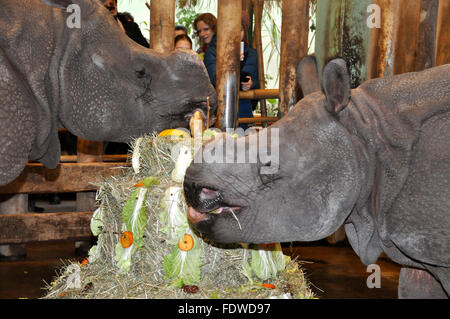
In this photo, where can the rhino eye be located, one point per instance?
(140, 73)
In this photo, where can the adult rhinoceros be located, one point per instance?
(375, 158)
(68, 64)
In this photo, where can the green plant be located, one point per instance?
(185, 16)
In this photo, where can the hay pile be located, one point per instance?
(222, 274)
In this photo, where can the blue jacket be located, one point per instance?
(250, 66)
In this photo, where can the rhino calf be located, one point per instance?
(375, 158)
(88, 77)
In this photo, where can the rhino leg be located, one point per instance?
(419, 284)
(17, 121)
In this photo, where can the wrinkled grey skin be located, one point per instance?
(93, 80)
(376, 158)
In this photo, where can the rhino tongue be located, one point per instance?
(195, 216)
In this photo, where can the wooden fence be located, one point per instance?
(75, 174)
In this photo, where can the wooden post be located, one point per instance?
(87, 152)
(443, 33)
(13, 205)
(162, 25)
(342, 31)
(258, 7)
(394, 45)
(294, 46)
(426, 46)
(247, 6)
(227, 68)
(406, 36)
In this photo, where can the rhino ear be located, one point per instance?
(61, 4)
(307, 75)
(336, 84)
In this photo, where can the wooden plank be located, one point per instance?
(104, 158)
(294, 46)
(67, 177)
(443, 33)
(37, 227)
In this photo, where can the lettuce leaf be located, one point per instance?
(97, 222)
(246, 268)
(123, 257)
(172, 217)
(135, 158)
(94, 253)
(183, 161)
(267, 262)
(183, 267)
(134, 215)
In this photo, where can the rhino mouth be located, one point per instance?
(181, 118)
(203, 108)
(206, 203)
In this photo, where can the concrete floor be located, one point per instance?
(335, 271)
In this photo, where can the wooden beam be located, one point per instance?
(294, 46)
(256, 119)
(443, 33)
(37, 227)
(162, 25)
(104, 158)
(67, 177)
(260, 94)
(227, 68)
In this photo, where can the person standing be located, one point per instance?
(205, 27)
(126, 23)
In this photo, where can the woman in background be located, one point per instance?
(205, 26)
(249, 67)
